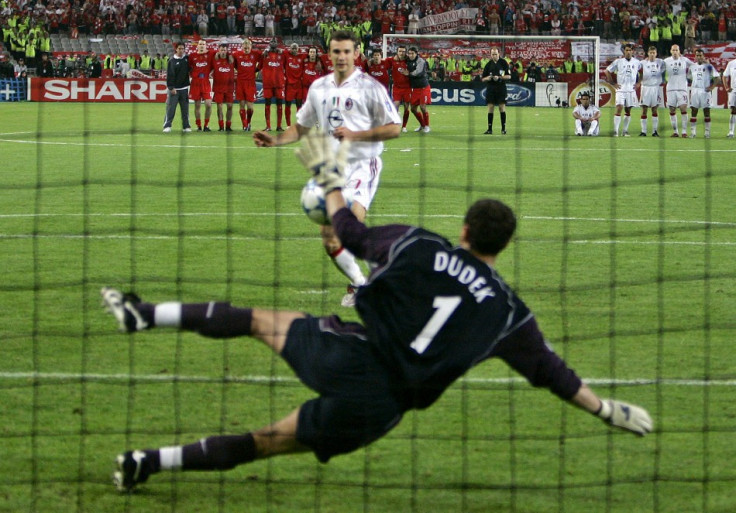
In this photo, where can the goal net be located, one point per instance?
(547, 71)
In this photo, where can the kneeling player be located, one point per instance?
(586, 117)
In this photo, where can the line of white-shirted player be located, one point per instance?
(652, 73)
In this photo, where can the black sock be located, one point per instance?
(216, 320)
(490, 121)
(503, 121)
(219, 452)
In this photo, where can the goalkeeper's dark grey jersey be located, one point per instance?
(433, 311)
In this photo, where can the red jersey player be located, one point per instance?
(294, 62)
(247, 63)
(379, 69)
(223, 79)
(200, 66)
(401, 89)
(274, 78)
(312, 70)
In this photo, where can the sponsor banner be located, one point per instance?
(13, 90)
(97, 90)
(550, 94)
(449, 22)
(474, 93)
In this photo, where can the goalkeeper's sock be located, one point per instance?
(348, 265)
(405, 119)
(503, 121)
(419, 117)
(287, 116)
(644, 124)
(213, 453)
(490, 120)
(213, 319)
(243, 118)
(426, 118)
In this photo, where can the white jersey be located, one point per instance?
(730, 73)
(677, 73)
(702, 75)
(586, 114)
(652, 72)
(359, 103)
(626, 72)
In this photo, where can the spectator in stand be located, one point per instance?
(690, 33)
(259, 23)
(533, 73)
(20, 67)
(269, 23)
(94, 68)
(202, 23)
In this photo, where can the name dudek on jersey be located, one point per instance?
(464, 273)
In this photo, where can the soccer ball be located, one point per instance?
(313, 202)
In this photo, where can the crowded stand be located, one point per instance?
(31, 30)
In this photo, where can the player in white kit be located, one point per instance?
(586, 117)
(626, 69)
(703, 79)
(349, 105)
(729, 82)
(652, 78)
(676, 66)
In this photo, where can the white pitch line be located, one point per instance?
(258, 379)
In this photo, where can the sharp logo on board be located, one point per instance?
(83, 90)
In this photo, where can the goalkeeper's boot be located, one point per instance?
(134, 467)
(125, 309)
(348, 300)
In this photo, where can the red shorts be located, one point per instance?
(273, 92)
(402, 95)
(293, 92)
(223, 97)
(200, 89)
(245, 91)
(421, 96)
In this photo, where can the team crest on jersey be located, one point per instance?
(348, 104)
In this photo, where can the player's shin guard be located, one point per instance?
(684, 123)
(213, 453)
(405, 119)
(268, 114)
(673, 122)
(426, 118)
(693, 126)
(250, 115)
(655, 122)
(213, 319)
(279, 114)
(707, 127)
(287, 115)
(643, 124)
(346, 263)
(627, 120)
(616, 124)
(243, 118)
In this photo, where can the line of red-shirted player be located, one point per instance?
(286, 77)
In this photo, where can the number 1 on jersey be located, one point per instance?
(444, 306)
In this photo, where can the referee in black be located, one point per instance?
(495, 75)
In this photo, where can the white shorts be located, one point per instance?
(651, 96)
(363, 178)
(676, 98)
(732, 99)
(700, 99)
(626, 98)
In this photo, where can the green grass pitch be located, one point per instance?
(625, 251)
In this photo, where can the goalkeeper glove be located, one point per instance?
(317, 155)
(625, 416)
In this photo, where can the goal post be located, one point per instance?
(545, 50)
